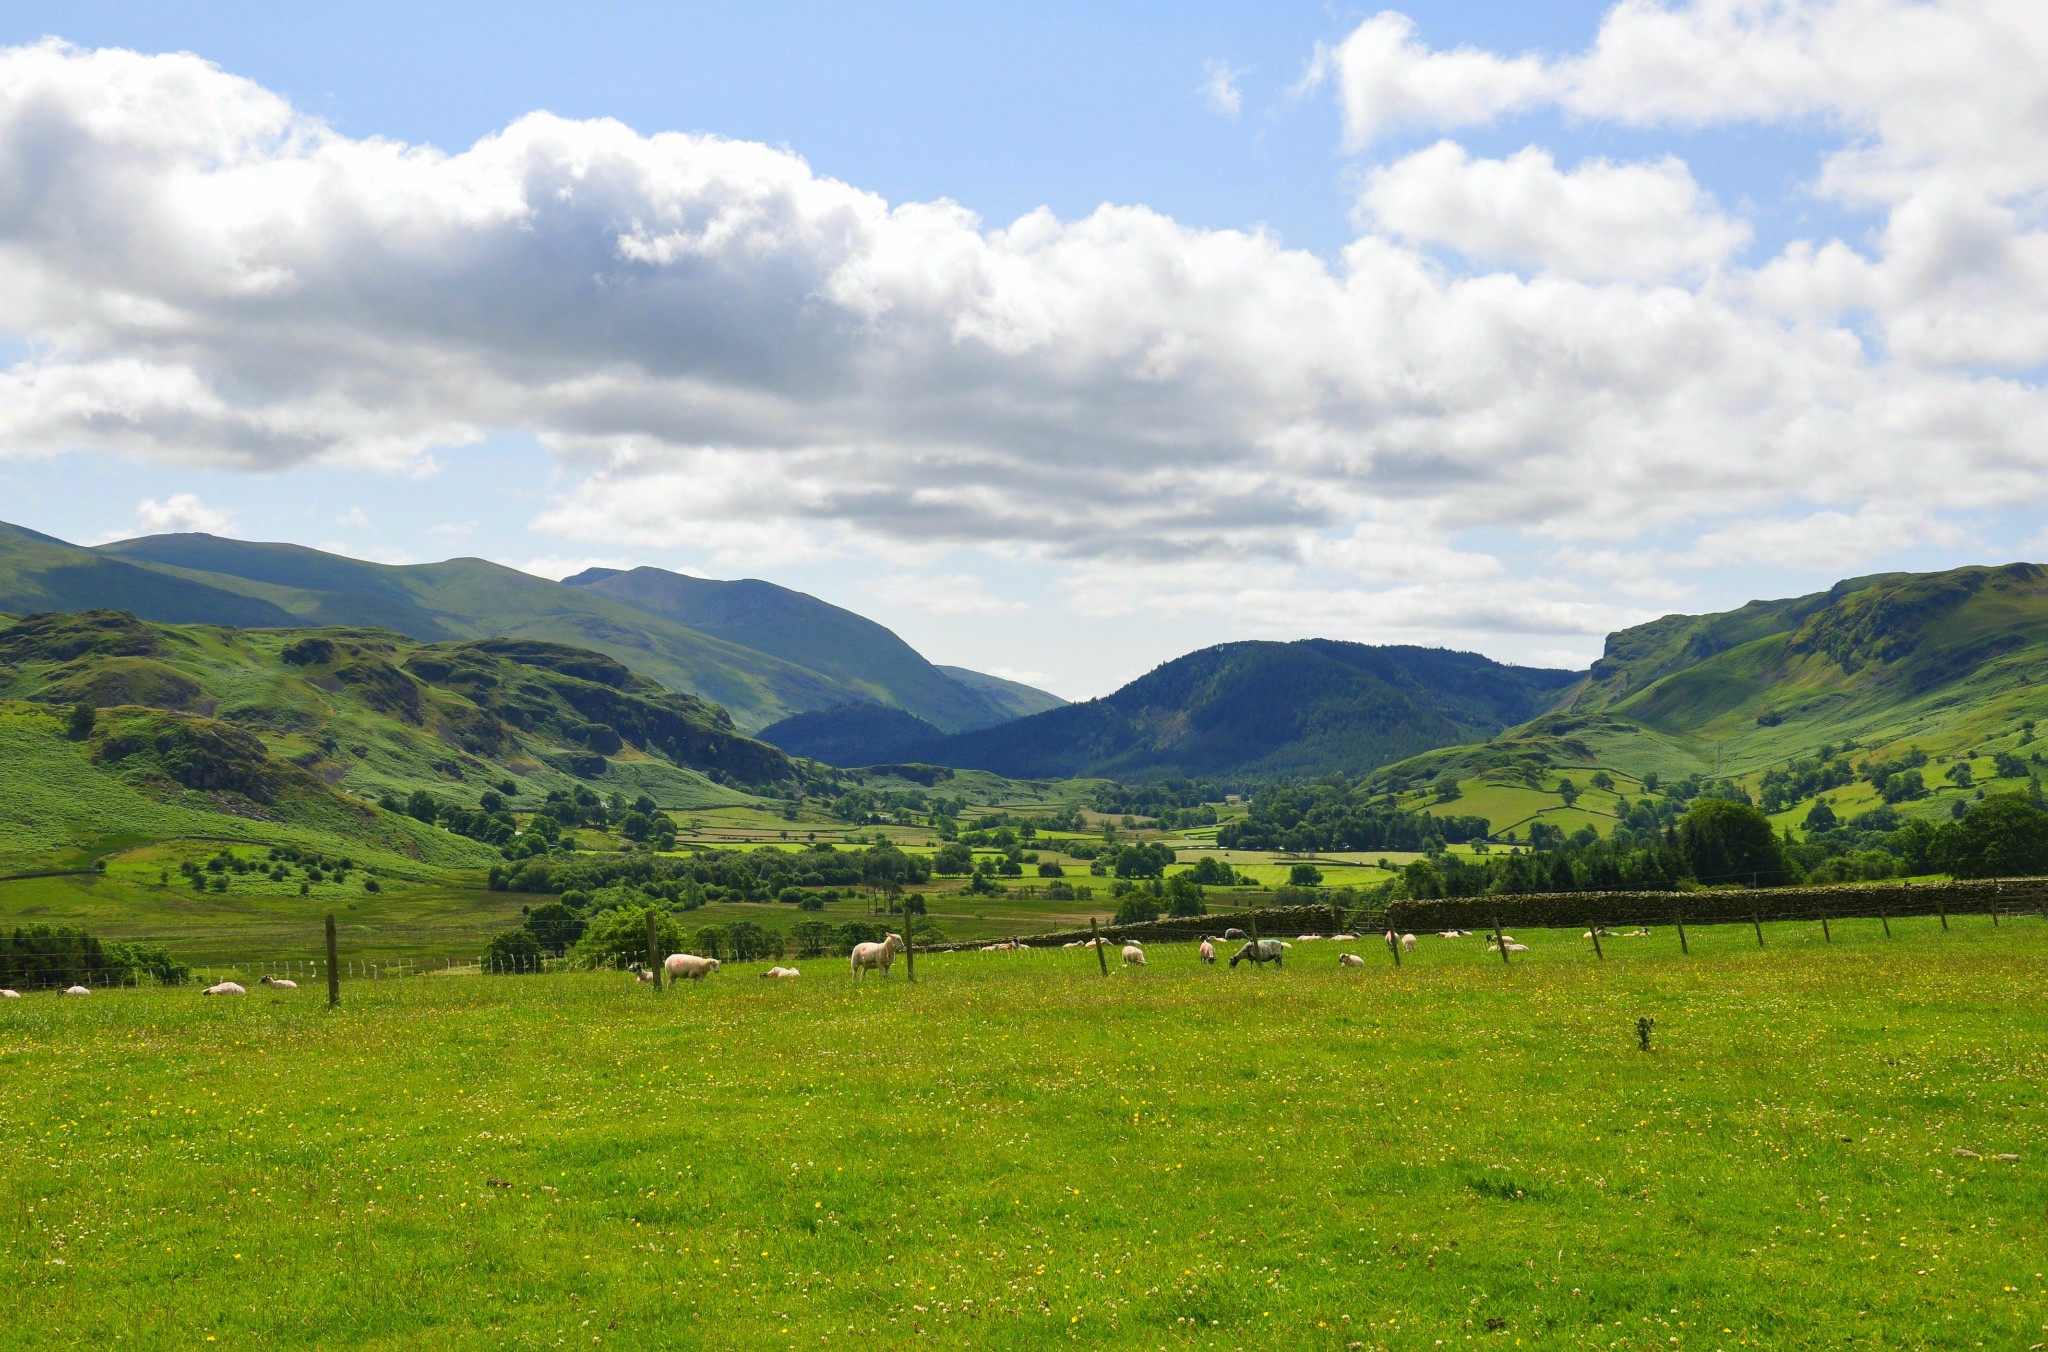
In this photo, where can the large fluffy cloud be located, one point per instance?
(727, 349)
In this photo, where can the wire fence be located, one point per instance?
(135, 961)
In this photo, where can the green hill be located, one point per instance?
(1239, 710)
(762, 652)
(1948, 670)
(305, 727)
(1014, 698)
(857, 652)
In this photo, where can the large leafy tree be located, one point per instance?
(1725, 842)
(2004, 836)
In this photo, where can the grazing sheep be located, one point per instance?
(878, 956)
(1134, 956)
(10, 995)
(1407, 943)
(1350, 960)
(280, 983)
(780, 973)
(1234, 933)
(224, 988)
(1208, 952)
(1507, 942)
(76, 990)
(682, 965)
(1266, 950)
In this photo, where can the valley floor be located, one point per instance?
(1015, 1151)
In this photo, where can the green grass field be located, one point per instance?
(1015, 1152)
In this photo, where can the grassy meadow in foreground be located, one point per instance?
(1015, 1151)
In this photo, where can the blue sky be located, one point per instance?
(1480, 463)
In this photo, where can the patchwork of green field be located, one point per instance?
(423, 919)
(1015, 1151)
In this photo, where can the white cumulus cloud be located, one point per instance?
(1598, 220)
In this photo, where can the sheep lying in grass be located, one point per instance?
(877, 956)
(1307, 938)
(781, 973)
(642, 973)
(225, 988)
(1340, 938)
(1350, 960)
(1234, 933)
(76, 990)
(1134, 956)
(1506, 941)
(280, 983)
(1640, 932)
(688, 966)
(1454, 934)
(1208, 952)
(1266, 950)
(10, 995)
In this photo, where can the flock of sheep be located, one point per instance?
(881, 956)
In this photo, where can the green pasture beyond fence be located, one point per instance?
(1595, 911)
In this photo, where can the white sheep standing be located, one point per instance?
(1134, 956)
(780, 973)
(1407, 943)
(877, 956)
(1208, 951)
(1350, 960)
(280, 983)
(76, 990)
(688, 966)
(225, 988)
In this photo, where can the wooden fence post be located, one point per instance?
(1251, 918)
(333, 971)
(1678, 911)
(1593, 931)
(1095, 933)
(1500, 939)
(909, 960)
(1885, 914)
(1942, 907)
(1758, 921)
(1394, 944)
(1825, 937)
(653, 948)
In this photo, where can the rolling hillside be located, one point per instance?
(307, 727)
(766, 652)
(1949, 669)
(858, 653)
(1233, 711)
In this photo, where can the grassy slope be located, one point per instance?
(849, 648)
(339, 729)
(1015, 1151)
(473, 598)
(61, 811)
(1947, 662)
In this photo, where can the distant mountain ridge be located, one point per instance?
(1237, 710)
(762, 652)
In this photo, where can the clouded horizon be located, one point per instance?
(1713, 301)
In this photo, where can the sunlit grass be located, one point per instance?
(1015, 1150)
